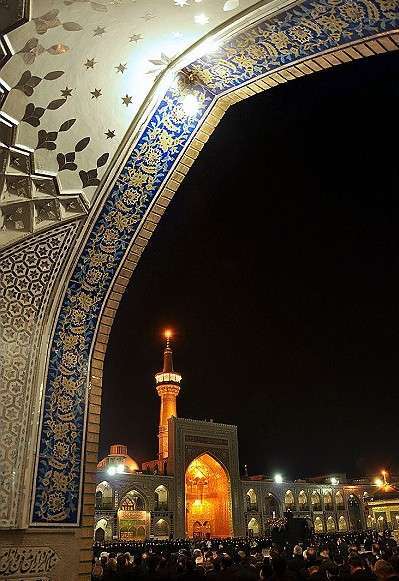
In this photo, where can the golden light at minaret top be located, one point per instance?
(168, 388)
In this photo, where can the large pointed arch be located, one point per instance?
(207, 498)
(84, 293)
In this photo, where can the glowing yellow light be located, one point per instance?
(168, 333)
(208, 495)
(378, 482)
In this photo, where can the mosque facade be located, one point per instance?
(194, 487)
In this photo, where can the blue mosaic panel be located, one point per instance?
(59, 466)
(304, 30)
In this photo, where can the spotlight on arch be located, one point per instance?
(210, 46)
(190, 105)
(278, 478)
(334, 481)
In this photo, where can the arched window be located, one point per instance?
(161, 494)
(104, 496)
(355, 513)
(339, 501)
(342, 524)
(272, 506)
(140, 533)
(132, 501)
(103, 530)
(318, 525)
(99, 499)
(316, 502)
(289, 500)
(161, 529)
(253, 528)
(327, 498)
(303, 500)
(252, 501)
(208, 498)
(330, 525)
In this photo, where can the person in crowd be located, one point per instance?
(322, 557)
(297, 563)
(358, 570)
(97, 571)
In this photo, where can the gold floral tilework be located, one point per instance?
(305, 30)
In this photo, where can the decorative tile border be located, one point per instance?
(303, 31)
(59, 468)
(140, 186)
(27, 274)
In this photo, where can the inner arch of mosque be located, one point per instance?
(208, 499)
(79, 202)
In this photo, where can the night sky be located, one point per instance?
(277, 264)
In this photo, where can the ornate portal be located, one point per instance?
(208, 495)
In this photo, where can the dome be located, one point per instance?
(118, 461)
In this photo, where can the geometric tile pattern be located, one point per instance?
(27, 275)
(163, 140)
(77, 60)
(29, 202)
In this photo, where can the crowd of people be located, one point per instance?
(323, 557)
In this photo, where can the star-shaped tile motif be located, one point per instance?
(89, 64)
(121, 68)
(127, 100)
(66, 92)
(181, 3)
(148, 16)
(110, 134)
(135, 37)
(96, 93)
(99, 31)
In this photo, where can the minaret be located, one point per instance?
(168, 387)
